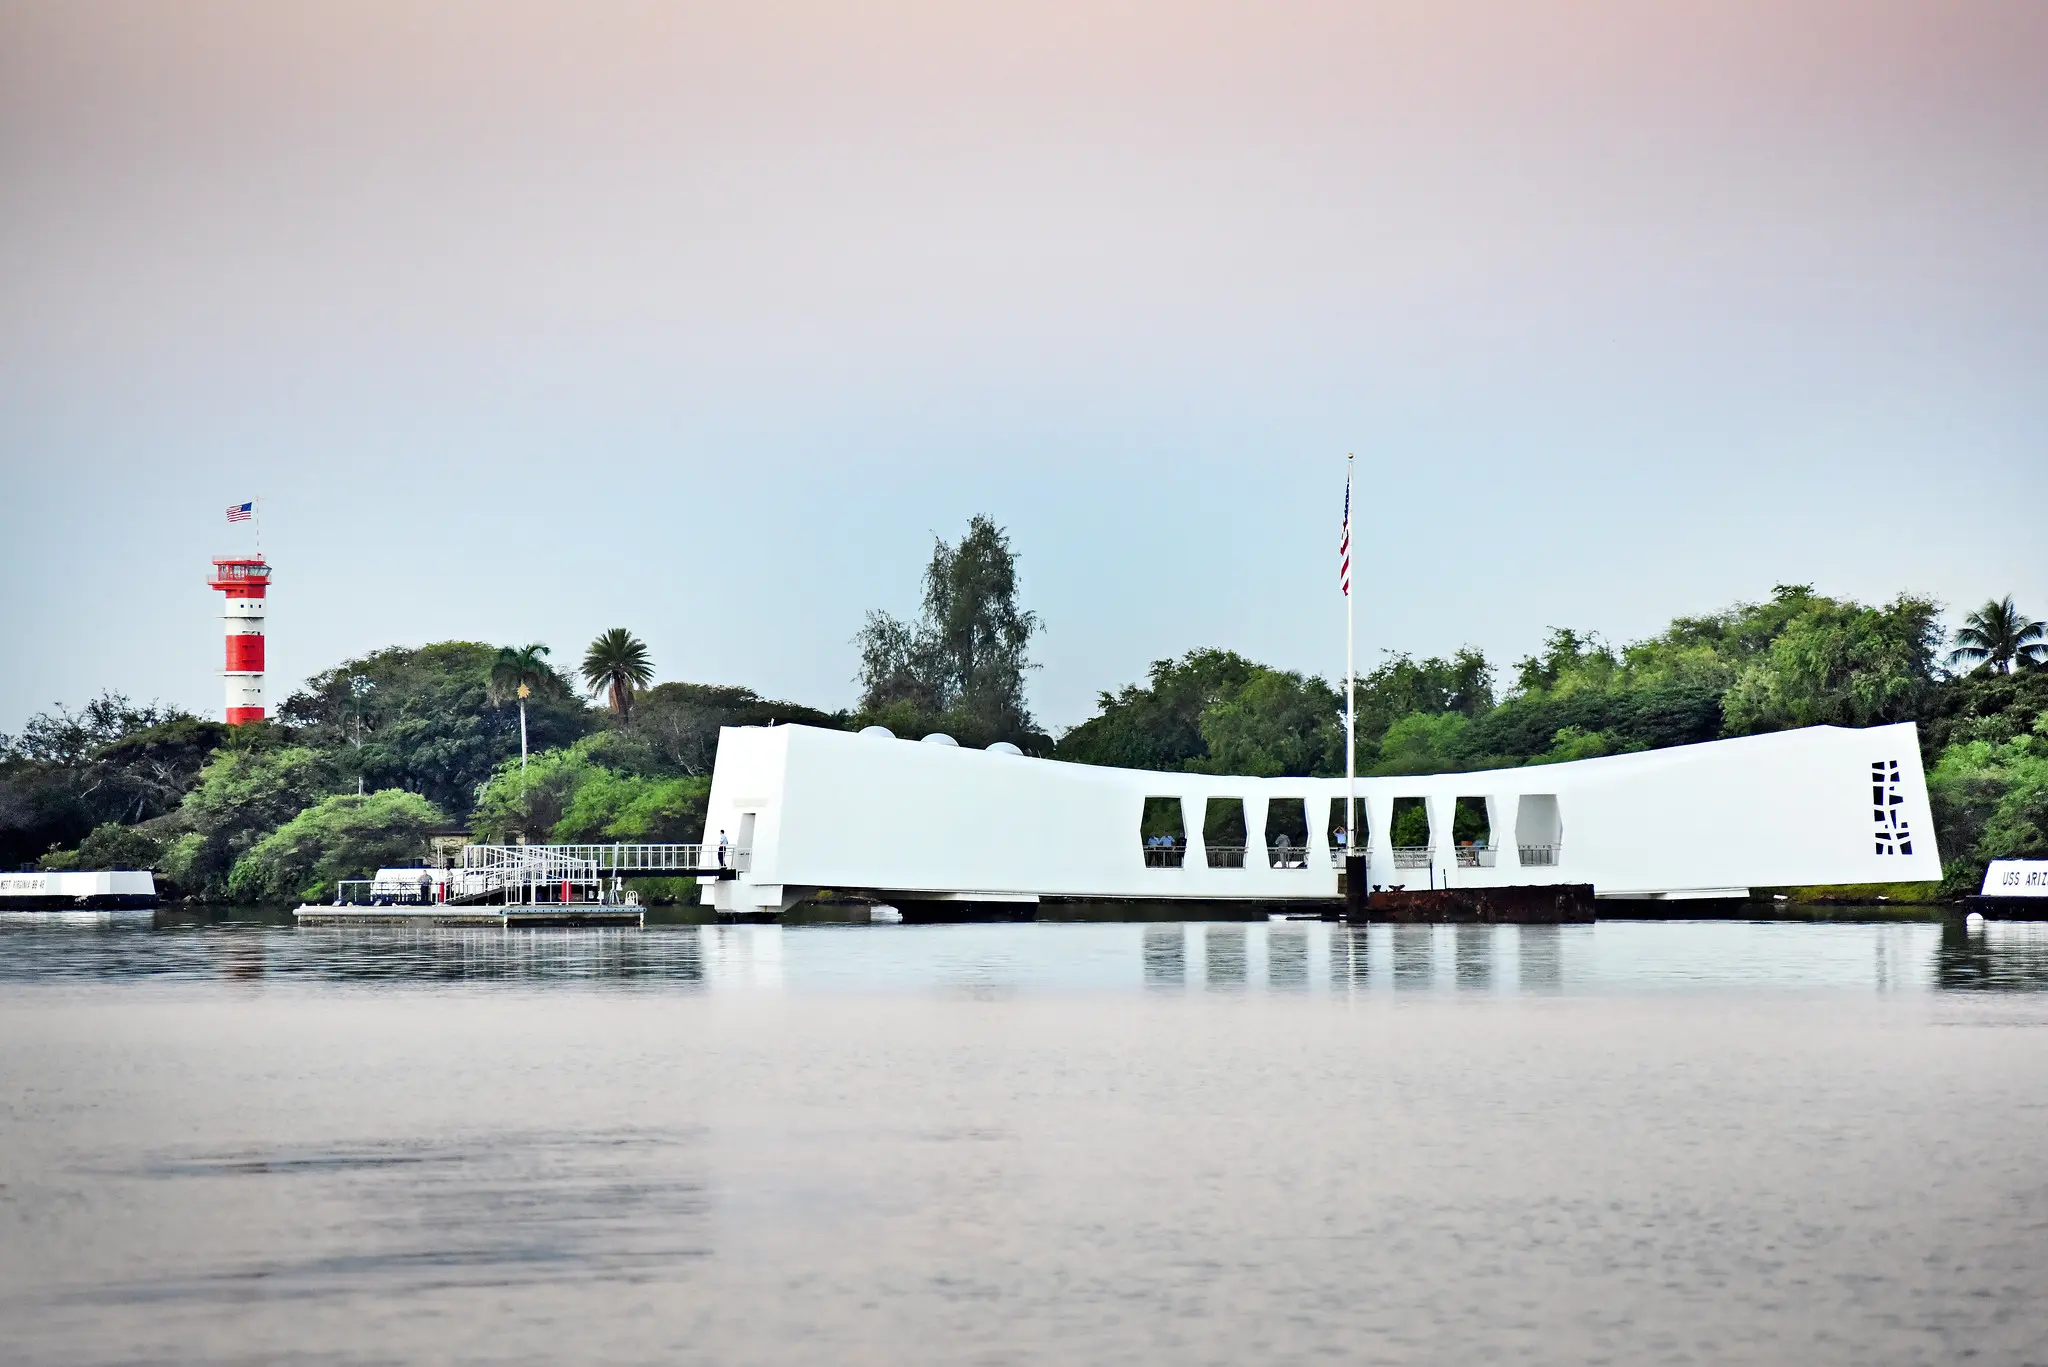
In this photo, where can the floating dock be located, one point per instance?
(515, 885)
(523, 917)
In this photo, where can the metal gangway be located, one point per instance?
(575, 873)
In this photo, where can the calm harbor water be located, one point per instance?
(1101, 1143)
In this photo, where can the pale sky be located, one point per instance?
(530, 320)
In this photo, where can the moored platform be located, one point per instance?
(529, 916)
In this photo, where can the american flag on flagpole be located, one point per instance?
(1344, 546)
(241, 512)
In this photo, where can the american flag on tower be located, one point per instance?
(1344, 546)
(241, 512)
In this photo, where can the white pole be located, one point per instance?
(1350, 695)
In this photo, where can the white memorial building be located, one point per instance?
(802, 809)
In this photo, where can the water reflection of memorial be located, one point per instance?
(1166, 956)
(1225, 960)
(2010, 956)
(1287, 958)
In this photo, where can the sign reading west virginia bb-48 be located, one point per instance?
(2016, 878)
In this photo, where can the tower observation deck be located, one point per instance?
(244, 580)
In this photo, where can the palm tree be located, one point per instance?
(617, 663)
(520, 672)
(1999, 634)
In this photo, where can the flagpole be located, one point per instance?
(1350, 690)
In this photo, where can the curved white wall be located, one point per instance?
(832, 809)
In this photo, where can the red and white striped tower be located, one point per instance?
(243, 580)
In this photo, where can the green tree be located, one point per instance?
(68, 738)
(962, 664)
(351, 835)
(1424, 743)
(609, 786)
(1573, 742)
(1990, 802)
(1277, 723)
(513, 804)
(1983, 705)
(68, 773)
(517, 674)
(148, 772)
(1402, 686)
(636, 808)
(1158, 724)
(2001, 636)
(616, 665)
(1214, 711)
(1570, 661)
(1839, 664)
(682, 720)
(426, 722)
(241, 795)
(110, 846)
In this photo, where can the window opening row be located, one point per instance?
(1225, 837)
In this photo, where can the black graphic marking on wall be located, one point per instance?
(1888, 808)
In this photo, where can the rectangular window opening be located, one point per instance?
(1223, 832)
(1472, 833)
(1162, 833)
(1287, 833)
(1409, 830)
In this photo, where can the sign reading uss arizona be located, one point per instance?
(2016, 878)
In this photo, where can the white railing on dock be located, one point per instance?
(618, 858)
(1411, 856)
(490, 870)
(1477, 857)
(1165, 856)
(1539, 856)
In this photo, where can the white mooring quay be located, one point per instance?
(512, 885)
(803, 809)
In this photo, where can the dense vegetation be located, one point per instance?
(361, 765)
(368, 758)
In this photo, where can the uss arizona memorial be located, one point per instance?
(804, 809)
